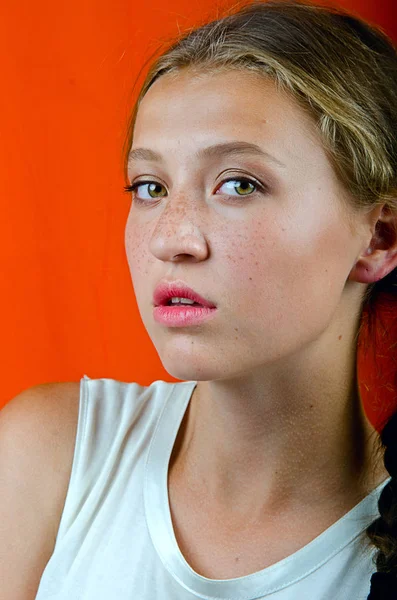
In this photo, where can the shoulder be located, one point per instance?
(49, 396)
(43, 414)
(37, 435)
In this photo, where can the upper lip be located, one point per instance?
(178, 289)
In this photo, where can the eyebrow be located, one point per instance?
(214, 151)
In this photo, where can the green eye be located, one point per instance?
(155, 190)
(245, 185)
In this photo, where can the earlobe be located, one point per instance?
(380, 257)
(370, 267)
(366, 271)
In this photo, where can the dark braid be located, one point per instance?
(383, 531)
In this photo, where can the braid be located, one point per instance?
(383, 531)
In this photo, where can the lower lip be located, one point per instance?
(181, 316)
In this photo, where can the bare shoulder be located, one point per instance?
(37, 438)
(53, 396)
(43, 419)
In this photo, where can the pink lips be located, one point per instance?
(182, 315)
(178, 289)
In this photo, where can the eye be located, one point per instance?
(152, 185)
(246, 184)
(152, 188)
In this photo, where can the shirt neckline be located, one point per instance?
(255, 585)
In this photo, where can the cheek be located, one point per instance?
(136, 248)
(276, 281)
(278, 277)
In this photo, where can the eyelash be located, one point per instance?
(136, 184)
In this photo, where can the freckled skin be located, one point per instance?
(286, 271)
(304, 246)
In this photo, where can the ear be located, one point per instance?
(379, 255)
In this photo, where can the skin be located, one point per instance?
(275, 432)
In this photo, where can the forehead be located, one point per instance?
(188, 96)
(185, 111)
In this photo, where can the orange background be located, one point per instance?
(68, 68)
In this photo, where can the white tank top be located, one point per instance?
(116, 540)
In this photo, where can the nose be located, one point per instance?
(177, 240)
(180, 232)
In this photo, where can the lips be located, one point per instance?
(178, 289)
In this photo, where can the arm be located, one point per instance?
(37, 436)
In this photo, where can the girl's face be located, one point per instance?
(271, 248)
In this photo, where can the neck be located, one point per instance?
(266, 444)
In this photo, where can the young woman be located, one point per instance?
(262, 164)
